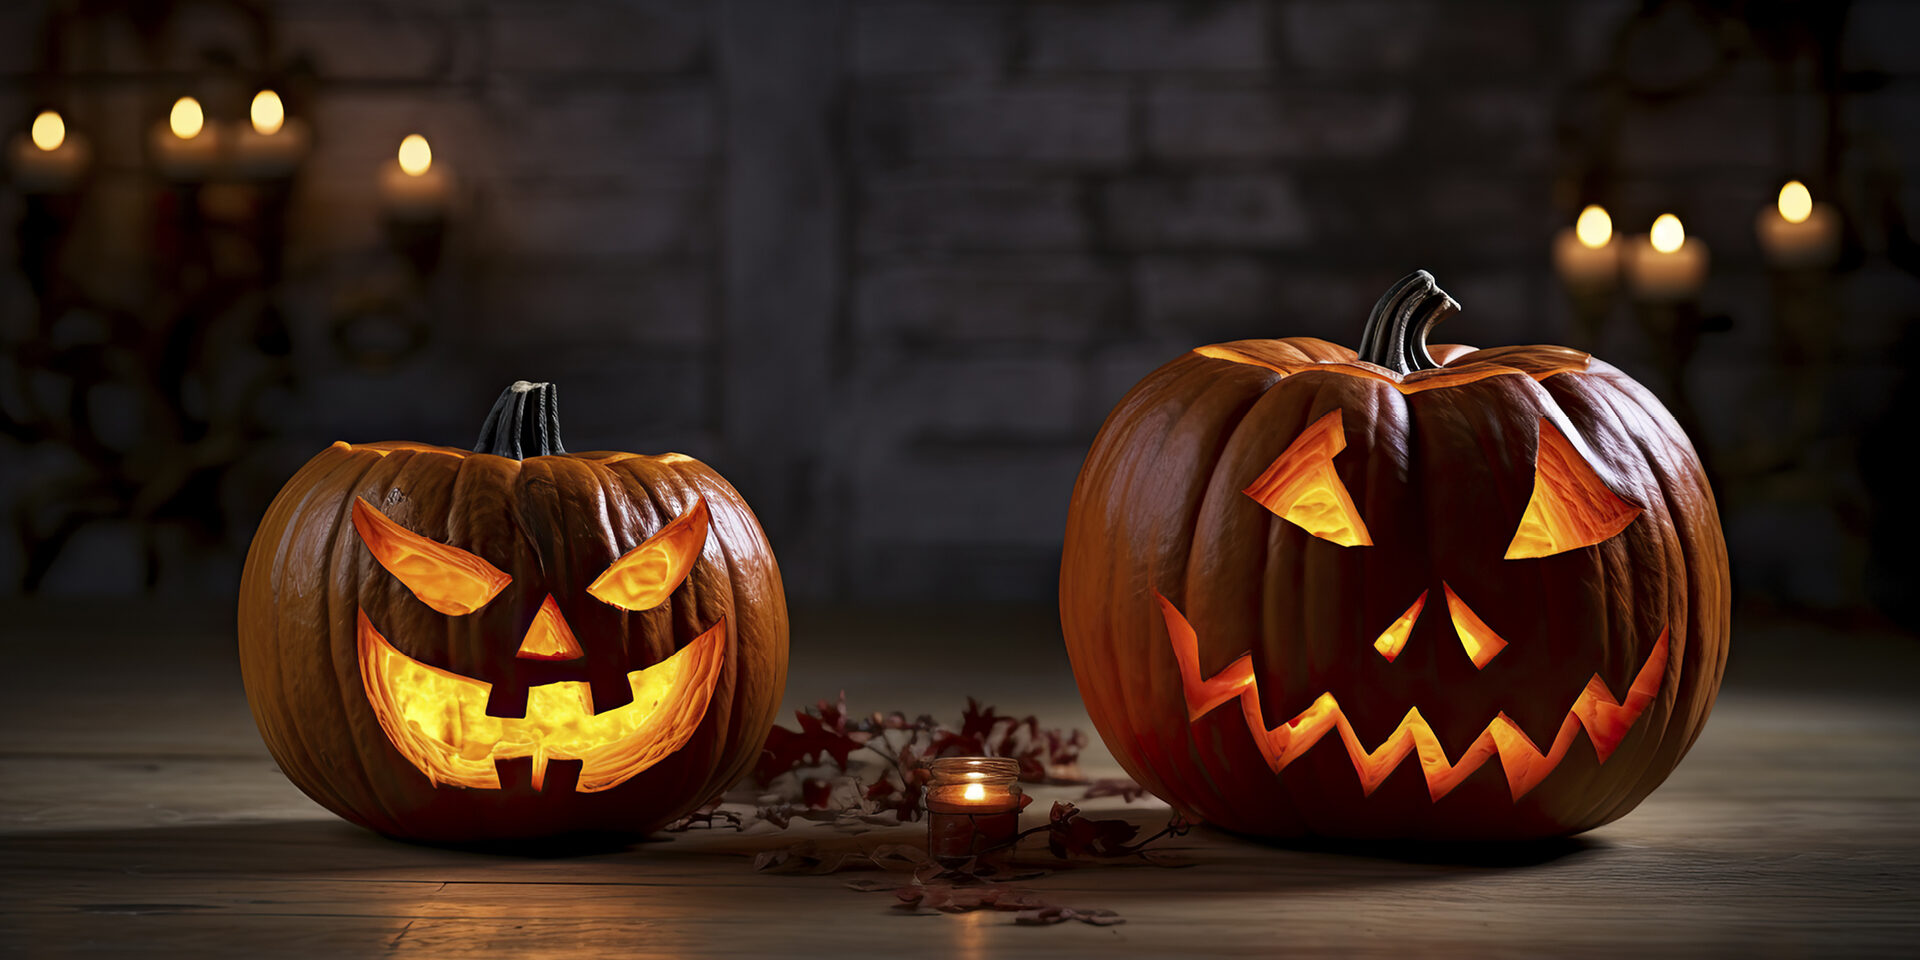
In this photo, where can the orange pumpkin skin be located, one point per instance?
(1440, 466)
(553, 523)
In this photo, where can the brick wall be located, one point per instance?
(887, 264)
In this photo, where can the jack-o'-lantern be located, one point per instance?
(1405, 592)
(513, 642)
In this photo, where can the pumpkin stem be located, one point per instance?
(1396, 333)
(524, 422)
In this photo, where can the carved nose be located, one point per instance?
(549, 638)
(1480, 641)
(1395, 636)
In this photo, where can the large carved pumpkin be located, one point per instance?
(1442, 594)
(512, 642)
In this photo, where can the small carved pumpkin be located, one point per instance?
(1395, 593)
(511, 643)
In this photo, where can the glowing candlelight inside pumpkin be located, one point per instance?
(48, 159)
(1799, 232)
(185, 146)
(1585, 255)
(973, 806)
(273, 143)
(413, 187)
(1669, 266)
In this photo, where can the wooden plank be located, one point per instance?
(158, 825)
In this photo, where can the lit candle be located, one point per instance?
(273, 143)
(185, 146)
(1799, 232)
(413, 187)
(973, 807)
(48, 158)
(1585, 255)
(1667, 266)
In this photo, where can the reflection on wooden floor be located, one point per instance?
(141, 815)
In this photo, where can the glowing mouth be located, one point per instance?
(1605, 719)
(438, 720)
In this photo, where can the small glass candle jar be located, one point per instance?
(973, 807)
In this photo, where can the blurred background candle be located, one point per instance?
(1666, 265)
(272, 143)
(185, 146)
(1585, 255)
(413, 187)
(48, 158)
(1798, 231)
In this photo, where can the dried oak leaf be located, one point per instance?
(1070, 834)
(961, 898)
(1046, 916)
(803, 857)
(823, 734)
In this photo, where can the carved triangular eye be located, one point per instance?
(1571, 506)
(448, 579)
(1302, 488)
(650, 572)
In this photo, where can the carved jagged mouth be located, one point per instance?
(1605, 719)
(438, 720)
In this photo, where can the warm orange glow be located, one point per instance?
(1571, 506)
(1796, 202)
(650, 572)
(1395, 636)
(549, 638)
(438, 720)
(1302, 487)
(1605, 720)
(1667, 235)
(267, 112)
(448, 579)
(1481, 642)
(186, 118)
(1594, 228)
(415, 155)
(49, 131)
(974, 791)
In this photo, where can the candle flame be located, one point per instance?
(1594, 228)
(49, 131)
(415, 155)
(186, 118)
(268, 112)
(974, 791)
(1796, 203)
(1667, 234)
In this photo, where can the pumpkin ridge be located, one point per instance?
(362, 763)
(283, 728)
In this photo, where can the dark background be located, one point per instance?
(886, 265)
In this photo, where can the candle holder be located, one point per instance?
(973, 808)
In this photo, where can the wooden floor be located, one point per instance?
(139, 815)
